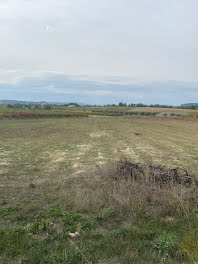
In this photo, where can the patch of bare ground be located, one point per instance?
(77, 172)
(75, 165)
(78, 166)
(126, 151)
(4, 162)
(98, 134)
(55, 158)
(101, 159)
(83, 148)
(149, 151)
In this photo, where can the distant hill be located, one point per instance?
(13, 102)
(189, 104)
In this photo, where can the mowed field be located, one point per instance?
(54, 208)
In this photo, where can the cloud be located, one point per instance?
(148, 41)
(95, 51)
(53, 86)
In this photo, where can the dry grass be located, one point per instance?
(169, 110)
(70, 167)
(130, 194)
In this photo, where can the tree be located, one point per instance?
(47, 107)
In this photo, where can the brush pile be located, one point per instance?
(157, 174)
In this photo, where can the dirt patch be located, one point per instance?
(78, 172)
(75, 165)
(98, 134)
(56, 156)
(4, 163)
(101, 159)
(78, 168)
(78, 165)
(129, 153)
(82, 148)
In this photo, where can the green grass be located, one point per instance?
(49, 188)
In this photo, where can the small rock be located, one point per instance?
(169, 219)
(74, 234)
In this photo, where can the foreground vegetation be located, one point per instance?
(62, 203)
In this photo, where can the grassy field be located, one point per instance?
(58, 205)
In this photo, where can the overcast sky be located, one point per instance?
(114, 49)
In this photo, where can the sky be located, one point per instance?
(99, 51)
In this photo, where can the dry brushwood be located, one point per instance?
(154, 174)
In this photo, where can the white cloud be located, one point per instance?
(119, 93)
